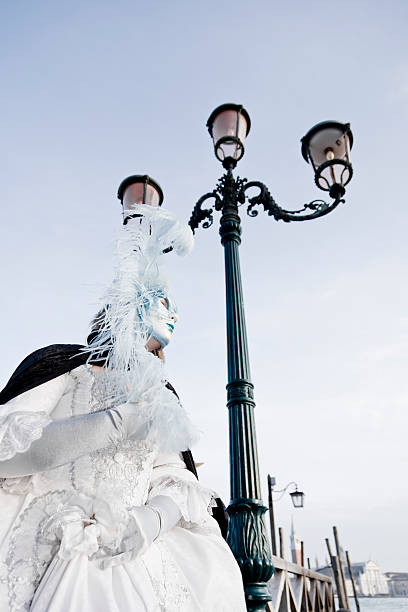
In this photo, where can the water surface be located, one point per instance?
(379, 604)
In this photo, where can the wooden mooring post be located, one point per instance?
(337, 576)
(281, 545)
(350, 569)
(343, 578)
(271, 513)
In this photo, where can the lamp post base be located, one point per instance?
(248, 541)
(257, 596)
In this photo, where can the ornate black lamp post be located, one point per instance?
(326, 147)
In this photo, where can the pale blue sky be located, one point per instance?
(94, 91)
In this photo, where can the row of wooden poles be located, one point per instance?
(335, 560)
(338, 573)
(337, 568)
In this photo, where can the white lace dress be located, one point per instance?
(50, 559)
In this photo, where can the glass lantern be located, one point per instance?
(298, 498)
(138, 189)
(327, 147)
(229, 125)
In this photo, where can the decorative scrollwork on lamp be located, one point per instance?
(264, 198)
(199, 214)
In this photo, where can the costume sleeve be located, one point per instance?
(24, 417)
(171, 478)
(65, 440)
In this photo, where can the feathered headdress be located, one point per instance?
(123, 329)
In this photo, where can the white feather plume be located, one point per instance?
(135, 375)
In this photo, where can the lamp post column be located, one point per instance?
(246, 532)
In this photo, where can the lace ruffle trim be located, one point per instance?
(18, 430)
(192, 499)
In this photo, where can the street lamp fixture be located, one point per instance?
(229, 125)
(138, 189)
(327, 147)
(298, 498)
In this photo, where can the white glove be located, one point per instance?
(150, 521)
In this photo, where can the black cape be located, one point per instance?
(51, 361)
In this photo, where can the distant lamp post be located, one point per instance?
(326, 147)
(298, 500)
(138, 189)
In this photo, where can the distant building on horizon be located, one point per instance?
(295, 545)
(369, 580)
(397, 583)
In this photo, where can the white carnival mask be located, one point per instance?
(161, 318)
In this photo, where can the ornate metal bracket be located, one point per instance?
(198, 215)
(264, 198)
(230, 191)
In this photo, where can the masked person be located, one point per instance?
(101, 507)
